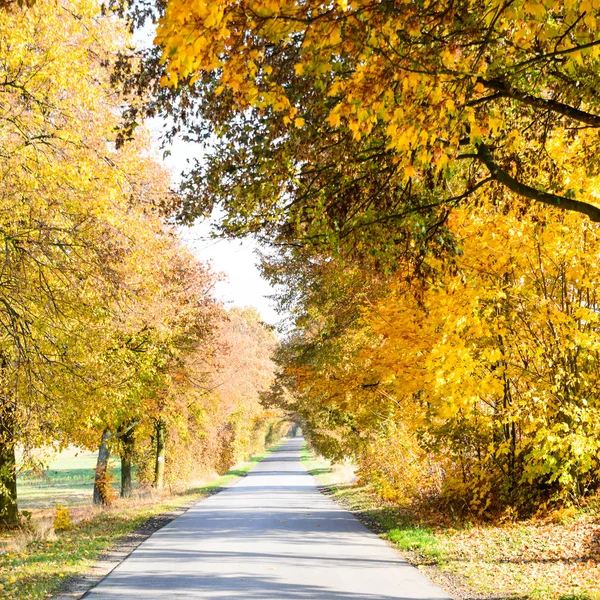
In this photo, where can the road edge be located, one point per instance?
(78, 587)
(452, 584)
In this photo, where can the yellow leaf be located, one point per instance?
(536, 8)
(334, 119)
(335, 38)
(476, 131)
(495, 124)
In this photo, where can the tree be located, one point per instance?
(102, 489)
(477, 391)
(359, 126)
(73, 211)
(166, 346)
(246, 370)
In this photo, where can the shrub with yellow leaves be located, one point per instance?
(62, 518)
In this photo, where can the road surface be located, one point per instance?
(273, 536)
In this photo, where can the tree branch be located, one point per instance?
(506, 91)
(563, 52)
(485, 156)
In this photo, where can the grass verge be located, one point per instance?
(390, 521)
(551, 558)
(37, 561)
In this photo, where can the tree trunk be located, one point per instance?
(101, 479)
(9, 514)
(127, 447)
(159, 471)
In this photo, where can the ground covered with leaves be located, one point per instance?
(554, 556)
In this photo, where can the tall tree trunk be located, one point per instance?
(127, 447)
(159, 471)
(101, 479)
(9, 514)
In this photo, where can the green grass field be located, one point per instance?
(69, 480)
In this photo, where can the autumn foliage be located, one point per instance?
(109, 332)
(426, 174)
(374, 118)
(408, 160)
(476, 391)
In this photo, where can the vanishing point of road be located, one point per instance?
(272, 536)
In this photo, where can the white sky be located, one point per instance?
(242, 284)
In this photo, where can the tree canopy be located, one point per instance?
(361, 125)
(409, 160)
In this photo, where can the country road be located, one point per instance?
(272, 536)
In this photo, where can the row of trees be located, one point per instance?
(476, 392)
(108, 328)
(426, 172)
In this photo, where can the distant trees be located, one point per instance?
(221, 421)
(247, 369)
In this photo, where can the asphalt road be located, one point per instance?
(273, 536)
